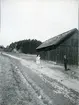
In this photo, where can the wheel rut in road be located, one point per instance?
(43, 83)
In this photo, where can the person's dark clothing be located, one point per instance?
(65, 63)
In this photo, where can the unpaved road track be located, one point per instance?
(41, 90)
(14, 88)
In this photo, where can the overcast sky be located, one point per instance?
(36, 19)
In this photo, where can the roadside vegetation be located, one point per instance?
(25, 46)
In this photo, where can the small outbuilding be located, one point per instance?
(55, 48)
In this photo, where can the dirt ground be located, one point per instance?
(47, 89)
(14, 88)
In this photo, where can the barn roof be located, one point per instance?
(56, 40)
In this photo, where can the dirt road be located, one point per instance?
(14, 88)
(42, 89)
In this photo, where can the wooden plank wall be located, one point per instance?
(68, 47)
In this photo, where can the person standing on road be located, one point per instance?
(38, 59)
(65, 62)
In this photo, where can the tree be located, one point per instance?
(25, 46)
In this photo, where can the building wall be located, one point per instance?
(78, 48)
(69, 47)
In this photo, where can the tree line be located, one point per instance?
(25, 46)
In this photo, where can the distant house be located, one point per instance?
(55, 48)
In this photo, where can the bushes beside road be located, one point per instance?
(25, 46)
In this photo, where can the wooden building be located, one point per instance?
(55, 48)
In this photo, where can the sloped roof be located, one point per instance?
(56, 40)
